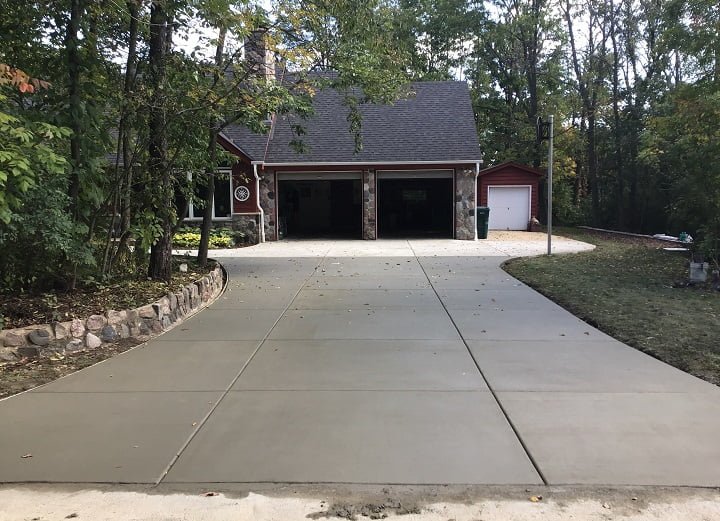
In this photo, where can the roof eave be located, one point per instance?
(371, 163)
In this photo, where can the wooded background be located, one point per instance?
(634, 86)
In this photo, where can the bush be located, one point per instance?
(41, 247)
(190, 238)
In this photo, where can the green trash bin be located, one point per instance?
(482, 216)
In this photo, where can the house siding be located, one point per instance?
(509, 176)
(242, 176)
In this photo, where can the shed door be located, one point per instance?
(509, 207)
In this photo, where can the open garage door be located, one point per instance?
(415, 204)
(320, 205)
(509, 207)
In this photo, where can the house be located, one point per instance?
(415, 175)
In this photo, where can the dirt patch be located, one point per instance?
(129, 291)
(16, 377)
(368, 510)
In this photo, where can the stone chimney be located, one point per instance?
(259, 58)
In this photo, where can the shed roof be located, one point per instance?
(511, 164)
(435, 123)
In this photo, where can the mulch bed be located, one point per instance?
(125, 293)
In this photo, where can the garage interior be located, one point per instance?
(320, 208)
(415, 207)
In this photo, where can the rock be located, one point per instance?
(95, 322)
(172, 299)
(116, 317)
(183, 268)
(166, 322)
(62, 330)
(144, 327)
(39, 337)
(135, 331)
(108, 334)
(28, 351)
(156, 326)
(164, 305)
(14, 339)
(147, 312)
(132, 317)
(123, 331)
(7, 356)
(74, 346)
(77, 329)
(92, 341)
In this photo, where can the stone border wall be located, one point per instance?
(141, 323)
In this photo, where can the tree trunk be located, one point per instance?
(160, 267)
(210, 172)
(72, 43)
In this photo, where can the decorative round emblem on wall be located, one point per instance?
(242, 193)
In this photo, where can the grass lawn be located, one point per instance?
(625, 287)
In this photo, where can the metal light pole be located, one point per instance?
(550, 187)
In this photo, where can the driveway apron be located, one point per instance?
(408, 362)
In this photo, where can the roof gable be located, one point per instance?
(435, 123)
(511, 164)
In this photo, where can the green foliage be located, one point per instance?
(27, 149)
(684, 143)
(41, 246)
(190, 238)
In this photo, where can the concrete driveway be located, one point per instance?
(406, 362)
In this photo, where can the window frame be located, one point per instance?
(191, 207)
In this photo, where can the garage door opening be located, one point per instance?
(416, 207)
(328, 208)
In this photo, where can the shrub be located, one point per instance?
(190, 238)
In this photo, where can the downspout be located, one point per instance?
(257, 200)
(477, 174)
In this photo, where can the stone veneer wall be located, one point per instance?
(268, 201)
(369, 211)
(465, 204)
(248, 225)
(78, 335)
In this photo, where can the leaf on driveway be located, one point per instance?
(25, 456)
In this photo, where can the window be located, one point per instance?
(222, 199)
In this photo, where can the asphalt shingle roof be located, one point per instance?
(435, 123)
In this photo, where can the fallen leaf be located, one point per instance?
(26, 456)
(70, 516)
(535, 499)
(605, 505)
(210, 494)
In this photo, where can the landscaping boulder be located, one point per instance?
(74, 345)
(77, 328)
(92, 341)
(95, 322)
(7, 356)
(62, 330)
(14, 339)
(147, 312)
(108, 334)
(39, 337)
(116, 317)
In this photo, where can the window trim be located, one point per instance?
(191, 207)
